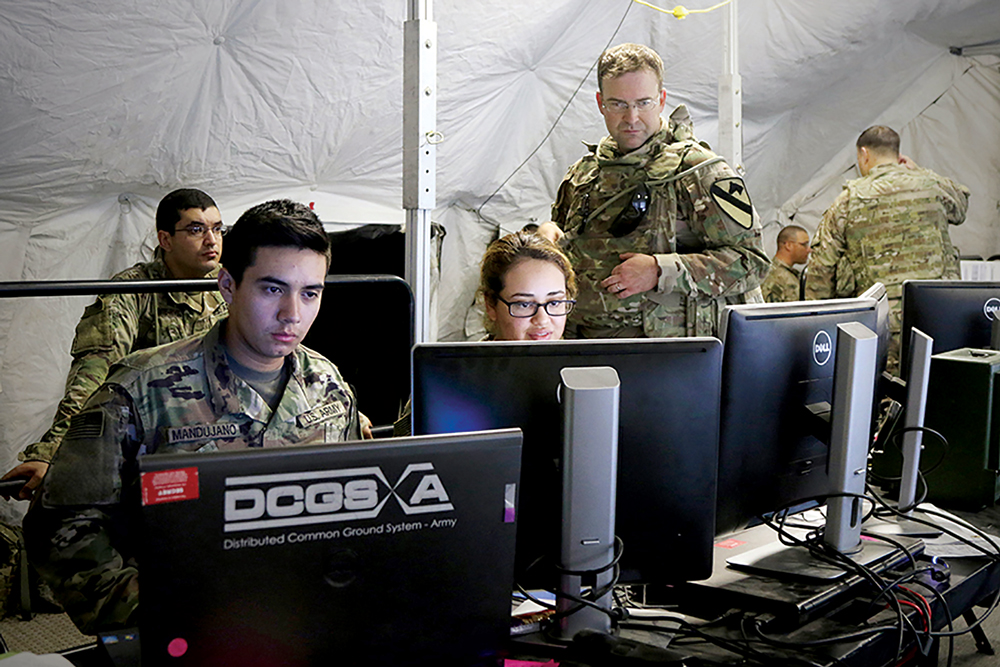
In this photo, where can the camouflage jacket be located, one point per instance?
(118, 324)
(700, 226)
(182, 397)
(781, 284)
(887, 227)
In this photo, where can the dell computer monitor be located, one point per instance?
(882, 329)
(955, 313)
(667, 446)
(778, 359)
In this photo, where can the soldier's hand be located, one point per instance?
(636, 274)
(907, 162)
(550, 230)
(32, 472)
(366, 426)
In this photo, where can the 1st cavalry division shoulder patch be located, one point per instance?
(732, 198)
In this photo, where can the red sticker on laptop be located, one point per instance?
(167, 486)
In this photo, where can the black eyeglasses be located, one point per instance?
(198, 230)
(558, 308)
(633, 213)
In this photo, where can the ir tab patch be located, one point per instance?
(167, 486)
(732, 198)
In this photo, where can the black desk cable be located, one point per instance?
(686, 634)
(590, 599)
(891, 590)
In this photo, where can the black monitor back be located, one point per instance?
(778, 358)
(365, 327)
(955, 313)
(667, 450)
(388, 552)
(372, 350)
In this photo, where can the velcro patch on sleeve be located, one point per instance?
(731, 197)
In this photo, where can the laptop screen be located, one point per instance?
(396, 551)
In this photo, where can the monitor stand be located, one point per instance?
(853, 398)
(918, 376)
(590, 400)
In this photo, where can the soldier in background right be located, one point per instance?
(889, 226)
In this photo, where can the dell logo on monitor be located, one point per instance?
(822, 348)
(317, 497)
(991, 307)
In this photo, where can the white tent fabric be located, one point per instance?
(106, 106)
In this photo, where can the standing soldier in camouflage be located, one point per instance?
(189, 230)
(246, 383)
(889, 226)
(660, 230)
(783, 281)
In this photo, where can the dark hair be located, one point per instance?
(789, 233)
(880, 139)
(168, 211)
(279, 223)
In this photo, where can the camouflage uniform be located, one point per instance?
(887, 227)
(700, 227)
(182, 397)
(781, 284)
(118, 324)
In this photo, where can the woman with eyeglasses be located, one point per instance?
(528, 288)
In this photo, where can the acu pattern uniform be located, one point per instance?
(118, 324)
(887, 227)
(700, 226)
(182, 397)
(781, 284)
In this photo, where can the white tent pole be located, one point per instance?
(731, 93)
(419, 154)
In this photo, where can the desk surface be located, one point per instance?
(817, 612)
(836, 610)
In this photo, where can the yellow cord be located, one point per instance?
(682, 12)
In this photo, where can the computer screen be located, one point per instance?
(386, 552)
(667, 448)
(955, 313)
(778, 359)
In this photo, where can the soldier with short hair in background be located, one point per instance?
(888, 226)
(660, 230)
(189, 231)
(783, 282)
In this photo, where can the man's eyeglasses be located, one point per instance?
(621, 106)
(198, 230)
(529, 308)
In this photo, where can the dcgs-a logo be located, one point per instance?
(316, 497)
(822, 348)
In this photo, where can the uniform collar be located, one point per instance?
(158, 270)
(678, 127)
(880, 169)
(783, 264)
(231, 395)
